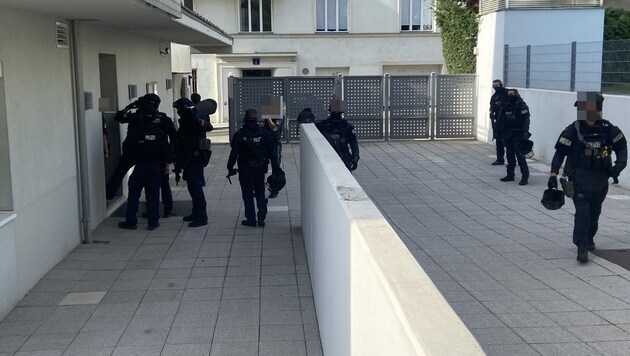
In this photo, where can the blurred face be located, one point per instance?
(587, 110)
(496, 85)
(251, 114)
(511, 93)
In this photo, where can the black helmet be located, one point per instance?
(526, 148)
(153, 100)
(183, 103)
(553, 199)
(306, 116)
(277, 181)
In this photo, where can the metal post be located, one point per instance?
(433, 105)
(386, 98)
(232, 103)
(506, 64)
(528, 65)
(573, 62)
(81, 132)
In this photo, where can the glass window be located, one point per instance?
(416, 15)
(332, 15)
(255, 15)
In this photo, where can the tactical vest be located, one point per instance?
(591, 160)
(148, 145)
(253, 154)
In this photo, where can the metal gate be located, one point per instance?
(379, 107)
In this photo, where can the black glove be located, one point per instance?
(527, 135)
(552, 183)
(133, 105)
(355, 163)
(232, 172)
(614, 173)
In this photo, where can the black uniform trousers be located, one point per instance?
(147, 176)
(514, 155)
(193, 174)
(252, 182)
(588, 207)
(165, 188)
(500, 149)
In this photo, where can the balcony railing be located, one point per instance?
(488, 6)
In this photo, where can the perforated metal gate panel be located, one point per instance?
(248, 93)
(455, 106)
(307, 92)
(364, 101)
(409, 112)
(409, 107)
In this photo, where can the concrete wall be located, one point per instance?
(371, 296)
(552, 111)
(555, 26)
(41, 146)
(41, 137)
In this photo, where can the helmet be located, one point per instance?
(526, 148)
(277, 181)
(306, 116)
(153, 100)
(553, 199)
(183, 103)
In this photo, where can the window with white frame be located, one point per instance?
(255, 15)
(416, 15)
(332, 15)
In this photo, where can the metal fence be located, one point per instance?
(577, 66)
(379, 107)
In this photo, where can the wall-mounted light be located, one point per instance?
(164, 51)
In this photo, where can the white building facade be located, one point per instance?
(58, 78)
(316, 38)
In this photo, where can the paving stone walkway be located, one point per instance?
(505, 264)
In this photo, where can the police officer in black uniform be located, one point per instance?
(192, 151)
(588, 143)
(252, 149)
(147, 109)
(148, 151)
(339, 133)
(513, 122)
(496, 102)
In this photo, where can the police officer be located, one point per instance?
(513, 122)
(339, 133)
(252, 149)
(275, 127)
(587, 143)
(147, 109)
(496, 102)
(148, 151)
(192, 155)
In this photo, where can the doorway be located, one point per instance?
(109, 91)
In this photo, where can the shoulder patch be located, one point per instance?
(618, 137)
(565, 141)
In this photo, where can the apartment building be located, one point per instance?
(315, 38)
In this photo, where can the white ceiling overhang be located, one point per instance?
(161, 19)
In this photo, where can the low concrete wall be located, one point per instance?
(371, 296)
(8, 264)
(552, 111)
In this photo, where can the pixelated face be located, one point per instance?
(496, 84)
(511, 93)
(587, 107)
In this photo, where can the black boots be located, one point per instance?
(507, 179)
(582, 253)
(523, 181)
(498, 163)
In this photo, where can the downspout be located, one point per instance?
(80, 131)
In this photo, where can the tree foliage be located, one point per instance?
(459, 25)
(616, 24)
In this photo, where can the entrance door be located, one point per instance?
(109, 90)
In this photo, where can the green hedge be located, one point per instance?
(459, 25)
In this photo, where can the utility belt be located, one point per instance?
(592, 159)
(256, 163)
(202, 150)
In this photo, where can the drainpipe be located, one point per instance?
(80, 131)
